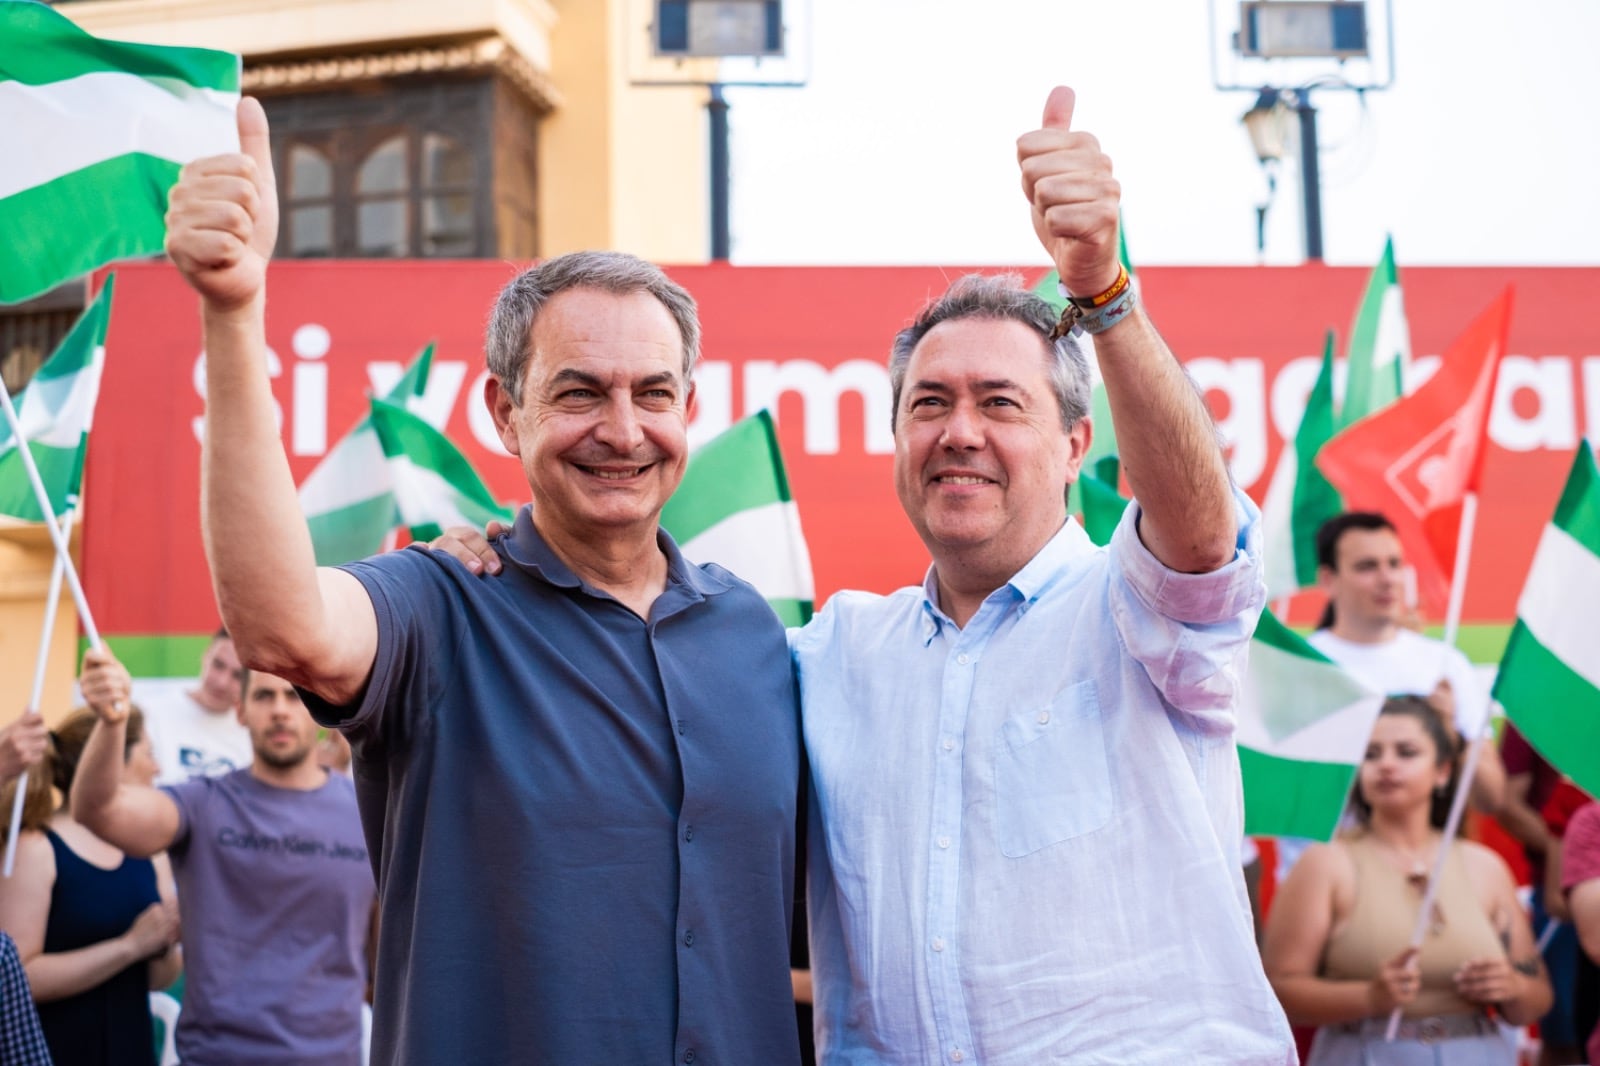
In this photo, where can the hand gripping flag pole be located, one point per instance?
(64, 568)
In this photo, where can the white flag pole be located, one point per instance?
(1458, 806)
(1458, 580)
(1458, 802)
(43, 499)
(36, 698)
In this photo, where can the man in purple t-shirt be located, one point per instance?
(273, 879)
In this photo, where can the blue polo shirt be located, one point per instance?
(582, 821)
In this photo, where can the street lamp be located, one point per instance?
(1310, 44)
(1267, 124)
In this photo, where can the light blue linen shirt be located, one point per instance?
(1024, 842)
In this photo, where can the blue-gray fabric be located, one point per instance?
(583, 820)
(276, 894)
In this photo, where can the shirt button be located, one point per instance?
(681, 727)
(938, 943)
(1044, 716)
(956, 1055)
(949, 745)
(963, 659)
(688, 1056)
(688, 939)
(688, 832)
(944, 842)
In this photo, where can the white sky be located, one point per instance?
(900, 149)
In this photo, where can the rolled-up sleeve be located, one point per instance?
(1189, 631)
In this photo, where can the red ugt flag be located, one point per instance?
(1416, 459)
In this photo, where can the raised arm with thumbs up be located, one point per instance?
(1165, 436)
(287, 618)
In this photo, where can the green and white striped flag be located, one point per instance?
(433, 484)
(1299, 498)
(733, 508)
(95, 133)
(348, 500)
(1549, 680)
(1380, 344)
(1303, 730)
(56, 410)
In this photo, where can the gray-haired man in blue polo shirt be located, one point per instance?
(579, 782)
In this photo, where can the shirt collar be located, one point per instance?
(526, 548)
(1069, 544)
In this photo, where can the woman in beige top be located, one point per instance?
(1336, 946)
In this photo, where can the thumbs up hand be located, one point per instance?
(222, 217)
(1067, 179)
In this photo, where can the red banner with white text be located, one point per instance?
(810, 343)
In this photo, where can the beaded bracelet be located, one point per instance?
(1096, 314)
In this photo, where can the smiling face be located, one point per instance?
(1402, 765)
(282, 732)
(982, 461)
(1367, 583)
(602, 427)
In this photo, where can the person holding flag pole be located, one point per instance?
(1336, 945)
(1421, 458)
(53, 428)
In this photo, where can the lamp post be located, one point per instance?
(1265, 122)
(1294, 38)
(717, 109)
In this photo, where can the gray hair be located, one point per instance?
(1000, 298)
(510, 335)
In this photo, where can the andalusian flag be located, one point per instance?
(733, 508)
(95, 133)
(55, 411)
(434, 486)
(1380, 344)
(1300, 499)
(348, 500)
(1549, 680)
(1303, 729)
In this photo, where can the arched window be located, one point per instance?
(448, 222)
(382, 219)
(309, 194)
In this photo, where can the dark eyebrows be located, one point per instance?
(572, 376)
(569, 376)
(987, 385)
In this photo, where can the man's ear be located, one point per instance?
(500, 406)
(691, 405)
(1079, 437)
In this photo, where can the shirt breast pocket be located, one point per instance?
(1052, 782)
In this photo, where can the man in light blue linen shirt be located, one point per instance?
(1026, 815)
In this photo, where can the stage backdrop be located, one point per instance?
(809, 343)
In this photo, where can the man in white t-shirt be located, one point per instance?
(194, 729)
(1361, 566)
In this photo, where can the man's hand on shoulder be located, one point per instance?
(470, 548)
